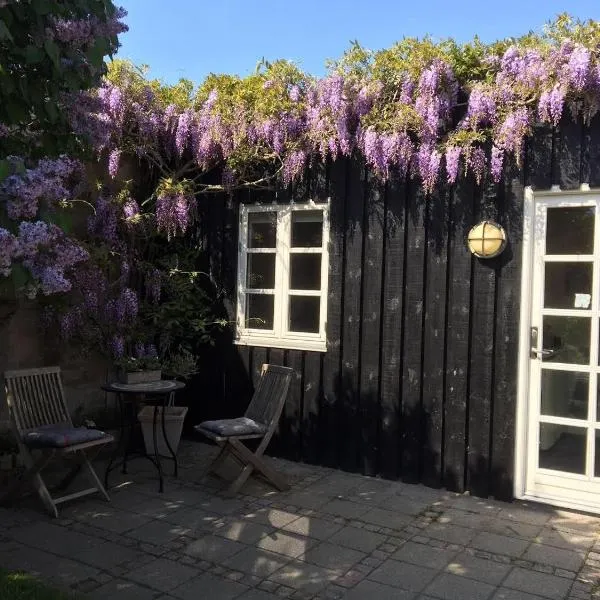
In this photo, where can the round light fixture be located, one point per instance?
(486, 239)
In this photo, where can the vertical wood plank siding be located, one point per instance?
(419, 381)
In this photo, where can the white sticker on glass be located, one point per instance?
(582, 300)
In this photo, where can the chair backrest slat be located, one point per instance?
(270, 394)
(36, 397)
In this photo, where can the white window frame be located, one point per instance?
(280, 336)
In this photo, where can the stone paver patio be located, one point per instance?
(334, 535)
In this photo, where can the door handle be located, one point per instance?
(533, 351)
(543, 353)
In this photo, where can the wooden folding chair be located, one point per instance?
(259, 421)
(40, 420)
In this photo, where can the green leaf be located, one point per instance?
(33, 54)
(41, 7)
(20, 276)
(4, 170)
(53, 52)
(4, 32)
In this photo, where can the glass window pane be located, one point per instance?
(570, 230)
(304, 313)
(305, 271)
(565, 394)
(562, 448)
(307, 229)
(259, 311)
(569, 337)
(260, 272)
(262, 229)
(568, 285)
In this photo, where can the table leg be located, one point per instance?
(117, 449)
(161, 488)
(164, 429)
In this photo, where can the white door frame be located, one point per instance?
(523, 401)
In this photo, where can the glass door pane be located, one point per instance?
(562, 448)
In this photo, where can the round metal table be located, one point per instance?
(128, 395)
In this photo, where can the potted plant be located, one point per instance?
(145, 366)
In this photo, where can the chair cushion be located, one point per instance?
(60, 436)
(233, 427)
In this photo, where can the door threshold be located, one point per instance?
(568, 504)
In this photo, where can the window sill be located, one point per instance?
(289, 344)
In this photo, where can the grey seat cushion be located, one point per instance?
(60, 436)
(233, 427)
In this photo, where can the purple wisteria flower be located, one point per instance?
(496, 163)
(551, 104)
(8, 250)
(578, 67)
(117, 345)
(293, 166)
(476, 161)
(174, 213)
(452, 162)
(113, 162)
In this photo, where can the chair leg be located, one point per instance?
(240, 480)
(40, 487)
(87, 465)
(217, 461)
(257, 463)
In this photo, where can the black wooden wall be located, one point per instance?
(419, 381)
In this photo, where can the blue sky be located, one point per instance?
(191, 38)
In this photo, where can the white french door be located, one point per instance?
(561, 351)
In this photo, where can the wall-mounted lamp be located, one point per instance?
(486, 239)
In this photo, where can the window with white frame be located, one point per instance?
(282, 276)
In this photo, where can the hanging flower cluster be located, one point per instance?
(421, 109)
(45, 251)
(51, 181)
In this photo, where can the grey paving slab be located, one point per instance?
(500, 544)
(244, 531)
(332, 556)
(304, 576)
(54, 538)
(403, 504)
(372, 590)
(288, 544)
(209, 586)
(121, 589)
(403, 575)
(256, 562)
(453, 587)
(196, 519)
(255, 594)
(158, 532)
(447, 532)
(534, 515)
(162, 574)
(213, 548)
(565, 539)
(269, 516)
(385, 518)
(506, 594)
(116, 520)
(313, 527)
(556, 557)
(542, 584)
(345, 509)
(358, 539)
(108, 555)
(424, 555)
(472, 567)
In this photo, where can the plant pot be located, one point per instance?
(174, 418)
(139, 376)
